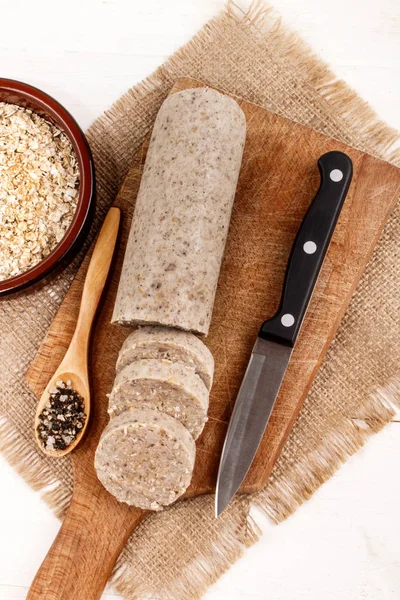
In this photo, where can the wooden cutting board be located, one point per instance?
(278, 180)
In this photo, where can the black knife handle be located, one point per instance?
(309, 248)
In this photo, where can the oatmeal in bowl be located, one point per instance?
(46, 185)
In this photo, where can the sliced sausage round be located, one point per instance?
(145, 458)
(170, 344)
(168, 387)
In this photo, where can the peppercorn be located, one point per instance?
(62, 418)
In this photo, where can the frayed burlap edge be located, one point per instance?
(195, 580)
(280, 499)
(373, 132)
(27, 463)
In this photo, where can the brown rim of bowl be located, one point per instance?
(22, 94)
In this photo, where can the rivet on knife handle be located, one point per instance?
(309, 249)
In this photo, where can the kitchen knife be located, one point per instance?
(277, 336)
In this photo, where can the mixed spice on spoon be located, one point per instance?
(62, 418)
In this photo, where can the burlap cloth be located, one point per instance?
(253, 56)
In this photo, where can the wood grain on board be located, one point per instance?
(278, 180)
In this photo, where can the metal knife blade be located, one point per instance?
(277, 336)
(253, 407)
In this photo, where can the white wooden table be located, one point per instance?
(345, 542)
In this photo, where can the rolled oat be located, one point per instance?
(39, 178)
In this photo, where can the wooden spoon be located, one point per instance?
(74, 366)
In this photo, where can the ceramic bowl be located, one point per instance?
(22, 94)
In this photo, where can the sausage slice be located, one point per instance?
(165, 343)
(168, 387)
(145, 458)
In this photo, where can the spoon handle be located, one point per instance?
(94, 284)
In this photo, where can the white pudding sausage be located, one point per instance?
(181, 220)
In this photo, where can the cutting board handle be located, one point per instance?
(79, 563)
